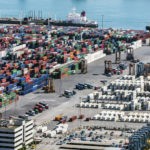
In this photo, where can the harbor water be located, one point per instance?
(128, 14)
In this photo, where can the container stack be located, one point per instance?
(30, 52)
(6, 99)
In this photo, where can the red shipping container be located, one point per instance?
(4, 84)
(36, 69)
(27, 77)
(3, 80)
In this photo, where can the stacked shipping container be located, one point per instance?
(34, 51)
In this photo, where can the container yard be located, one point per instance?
(33, 54)
(76, 81)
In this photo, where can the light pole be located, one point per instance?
(21, 14)
(48, 19)
(80, 111)
(102, 23)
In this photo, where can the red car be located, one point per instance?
(39, 108)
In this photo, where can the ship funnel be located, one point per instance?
(83, 14)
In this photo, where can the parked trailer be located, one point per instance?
(72, 118)
(81, 116)
(58, 117)
(63, 119)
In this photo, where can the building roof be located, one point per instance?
(12, 123)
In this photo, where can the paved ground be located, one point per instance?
(61, 105)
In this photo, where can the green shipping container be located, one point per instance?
(19, 72)
(14, 71)
(70, 72)
(77, 66)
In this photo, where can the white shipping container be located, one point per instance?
(90, 96)
(38, 128)
(52, 134)
(25, 70)
(3, 53)
(44, 128)
(15, 48)
(47, 133)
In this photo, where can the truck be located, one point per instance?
(123, 66)
(71, 119)
(83, 86)
(80, 86)
(81, 116)
(58, 117)
(68, 93)
(88, 86)
(63, 119)
(87, 119)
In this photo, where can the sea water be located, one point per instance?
(128, 14)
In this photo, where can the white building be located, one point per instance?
(15, 133)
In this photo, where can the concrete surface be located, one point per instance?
(62, 105)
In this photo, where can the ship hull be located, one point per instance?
(148, 28)
(64, 23)
(12, 22)
(55, 23)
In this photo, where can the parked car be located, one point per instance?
(31, 113)
(44, 104)
(80, 86)
(25, 116)
(89, 86)
(41, 106)
(122, 66)
(36, 111)
(38, 108)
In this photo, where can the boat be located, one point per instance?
(148, 28)
(75, 19)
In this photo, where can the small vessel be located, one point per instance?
(75, 19)
(148, 28)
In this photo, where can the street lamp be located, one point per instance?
(102, 23)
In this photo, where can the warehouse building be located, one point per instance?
(15, 133)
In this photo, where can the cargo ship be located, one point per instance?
(75, 19)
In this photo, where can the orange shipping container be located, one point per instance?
(45, 58)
